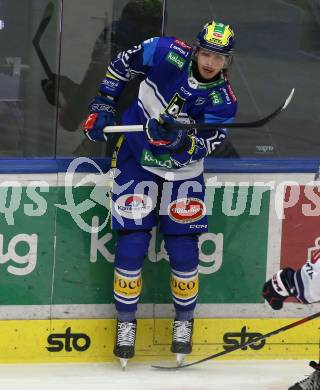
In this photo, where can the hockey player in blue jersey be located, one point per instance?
(303, 284)
(182, 84)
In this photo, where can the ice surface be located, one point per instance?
(215, 375)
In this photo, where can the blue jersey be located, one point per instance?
(168, 86)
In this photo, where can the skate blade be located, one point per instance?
(180, 358)
(123, 363)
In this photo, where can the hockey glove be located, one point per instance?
(279, 288)
(194, 150)
(102, 113)
(158, 135)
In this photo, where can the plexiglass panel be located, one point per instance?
(54, 54)
(29, 41)
(105, 27)
(277, 48)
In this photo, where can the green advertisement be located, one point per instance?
(51, 253)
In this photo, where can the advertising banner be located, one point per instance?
(57, 247)
(300, 226)
(92, 340)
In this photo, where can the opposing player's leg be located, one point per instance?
(185, 218)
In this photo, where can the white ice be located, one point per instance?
(213, 375)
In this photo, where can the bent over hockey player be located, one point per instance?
(303, 284)
(179, 84)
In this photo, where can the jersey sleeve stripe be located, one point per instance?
(149, 48)
(115, 74)
(210, 118)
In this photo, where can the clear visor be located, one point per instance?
(223, 60)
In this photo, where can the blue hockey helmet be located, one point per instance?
(216, 37)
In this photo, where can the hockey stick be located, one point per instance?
(246, 344)
(47, 15)
(203, 126)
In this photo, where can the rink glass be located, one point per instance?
(53, 56)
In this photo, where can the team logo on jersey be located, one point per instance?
(175, 59)
(175, 106)
(133, 206)
(186, 210)
(216, 98)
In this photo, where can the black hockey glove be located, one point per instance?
(158, 135)
(102, 113)
(277, 289)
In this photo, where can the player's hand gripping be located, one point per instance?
(102, 113)
(277, 289)
(158, 135)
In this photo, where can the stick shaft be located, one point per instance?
(257, 339)
(203, 126)
(246, 344)
(123, 129)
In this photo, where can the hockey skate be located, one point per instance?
(125, 341)
(182, 339)
(312, 382)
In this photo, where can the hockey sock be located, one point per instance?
(131, 248)
(184, 289)
(184, 315)
(127, 316)
(127, 289)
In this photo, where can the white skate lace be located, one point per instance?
(126, 333)
(312, 382)
(182, 331)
